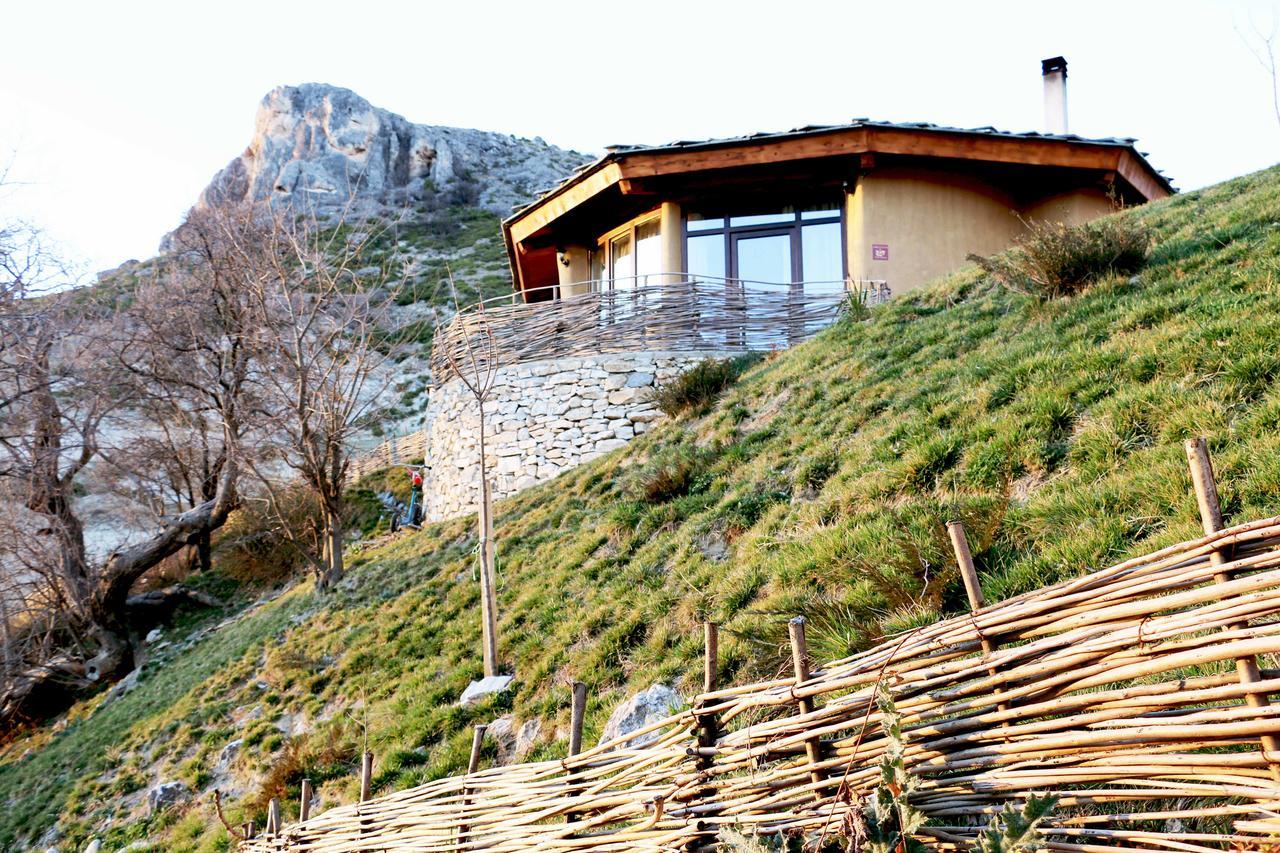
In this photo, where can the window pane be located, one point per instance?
(763, 218)
(622, 262)
(821, 259)
(822, 210)
(648, 250)
(706, 256)
(699, 222)
(765, 259)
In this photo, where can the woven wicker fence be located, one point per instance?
(1138, 695)
(716, 316)
(409, 449)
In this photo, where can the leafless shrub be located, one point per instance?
(1054, 259)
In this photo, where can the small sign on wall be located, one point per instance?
(879, 251)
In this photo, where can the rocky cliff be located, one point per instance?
(318, 146)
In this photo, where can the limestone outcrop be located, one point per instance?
(317, 146)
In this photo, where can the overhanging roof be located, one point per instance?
(624, 165)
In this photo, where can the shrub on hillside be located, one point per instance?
(1053, 260)
(253, 547)
(669, 474)
(699, 386)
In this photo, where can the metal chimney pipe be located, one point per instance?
(1054, 71)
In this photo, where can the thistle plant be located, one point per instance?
(1016, 830)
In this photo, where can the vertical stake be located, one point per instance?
(577, 710)
(800, 663)
(248, 831)
(477, 741)
(366, 775)
(710, 656)
(488, 602)
(972, 588)
(1206, 489)
(473, 763)
(273, 816)
(304, 801)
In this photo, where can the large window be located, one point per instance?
(625, 261)
(793, 245)
(629, 256)
(769, 261)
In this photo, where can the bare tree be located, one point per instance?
(326, 349)
(475, 364)
(1262, 45)
(59, 382)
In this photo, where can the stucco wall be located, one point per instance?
(929, 221)
(1072, 207)
(541, 419)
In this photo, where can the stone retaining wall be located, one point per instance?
(541, 418)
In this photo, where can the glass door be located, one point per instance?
(763, 270)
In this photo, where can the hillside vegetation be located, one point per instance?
(818, 484)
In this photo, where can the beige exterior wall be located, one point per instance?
(574, 277)
(1072, 207)
(928, 221)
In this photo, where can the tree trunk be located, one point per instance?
(204, 551)
(332, 567)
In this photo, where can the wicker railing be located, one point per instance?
(647, 313)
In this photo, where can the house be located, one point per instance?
(651, 259)
(817, 206)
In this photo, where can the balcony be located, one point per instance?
(661, 312)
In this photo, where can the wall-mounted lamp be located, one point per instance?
(563, 258)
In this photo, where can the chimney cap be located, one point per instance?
(1052, 64)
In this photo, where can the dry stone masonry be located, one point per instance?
(541, 418)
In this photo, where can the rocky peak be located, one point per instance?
(318, 146)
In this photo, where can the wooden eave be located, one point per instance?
(629, 169)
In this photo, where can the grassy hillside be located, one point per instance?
(818, 484)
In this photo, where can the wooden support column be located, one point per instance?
(488, 594)
(249, 832)
(800, 663)
(972, 588)
(304, 801)
(273, 816)
(1206, 489)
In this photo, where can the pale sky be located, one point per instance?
(117, 114)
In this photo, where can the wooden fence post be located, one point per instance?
(473, 764)
(488, 596)
(1206, 489)
(249, 831)
(577, 711)
(710, 656)
(477, 741)
(304, 801)
(273, 816)
(972, 588)
(800, 663)
(366, 775)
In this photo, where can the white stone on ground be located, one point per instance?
(487, 686)
(646, 707)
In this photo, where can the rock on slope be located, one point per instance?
(319, 145)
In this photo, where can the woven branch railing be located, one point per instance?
(668, 314)
(1117, 692)
(409, 449)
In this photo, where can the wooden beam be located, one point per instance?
(540, 214)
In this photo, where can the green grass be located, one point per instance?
(819, 483)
